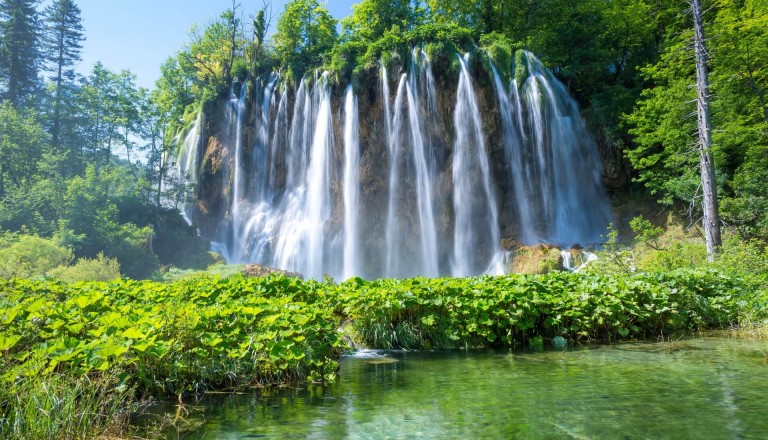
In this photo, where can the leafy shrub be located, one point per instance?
(482, 311)
(100, 268)
(28, 256)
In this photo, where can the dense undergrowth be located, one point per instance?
(61, 343)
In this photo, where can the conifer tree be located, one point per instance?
(62, 43)
(19, 52)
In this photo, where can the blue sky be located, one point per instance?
(139, 35)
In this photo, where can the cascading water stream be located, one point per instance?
(574, 207)
(279, 138)
(186, 166)
(261, 158)
(423, 191)
(235, 130)
(475, 211)
(319, 182)
(513, 153)
(351, 186)
(411, 243)
(393, 236)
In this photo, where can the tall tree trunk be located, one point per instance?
(711, 221)
(56, 132)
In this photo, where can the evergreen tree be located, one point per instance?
(63, 37)
(19, 54)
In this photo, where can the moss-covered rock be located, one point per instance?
(538, 259)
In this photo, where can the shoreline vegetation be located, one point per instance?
(84, 353)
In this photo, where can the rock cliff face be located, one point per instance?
(249, 152)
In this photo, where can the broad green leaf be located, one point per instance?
(8, 341)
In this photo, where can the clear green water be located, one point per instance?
(710, 388)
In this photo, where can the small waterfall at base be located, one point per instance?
(575, 259)
(474, 203)
(396, 181)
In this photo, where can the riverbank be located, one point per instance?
(141, 338)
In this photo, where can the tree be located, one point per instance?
(22, 145)
(213, 52)
(63, 37)
(306, 34)
(370, 19)
(110, 107)
(20, 54)
(739, 76)
(711, 220)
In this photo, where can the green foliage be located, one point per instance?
(521, 67)
(211, 54)
(239, 71)
(478, 312)
(646, 232)
(175, 338)
(219, 269)
(500, 51)
(19, 51)
(614, 257)
(306, 34)
(371, 19)
(662, 125)
(56, 406)
(28, 256)
(100, 268)
(22, 146)
(662, 128)
(63, 40)
(80, 350)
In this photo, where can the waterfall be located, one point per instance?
(396, 181)
(261, 152)
(319, 182)
(234, 123)
(575, 259)
(393, 236)
(423, 191)
(511, 117)
(574, 206)
(474, 203)
(185, 167)
(280, 137)
(411, 245)
(351, 186)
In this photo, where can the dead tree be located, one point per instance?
(711, 220)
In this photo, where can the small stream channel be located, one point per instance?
(700, 388)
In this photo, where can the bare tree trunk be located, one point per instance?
(711, 221)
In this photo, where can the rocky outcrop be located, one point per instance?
(539, 259)
(257, 271)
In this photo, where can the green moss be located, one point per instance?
(521, 67)
(498, 50)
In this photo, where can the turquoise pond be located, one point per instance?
(699, 388)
